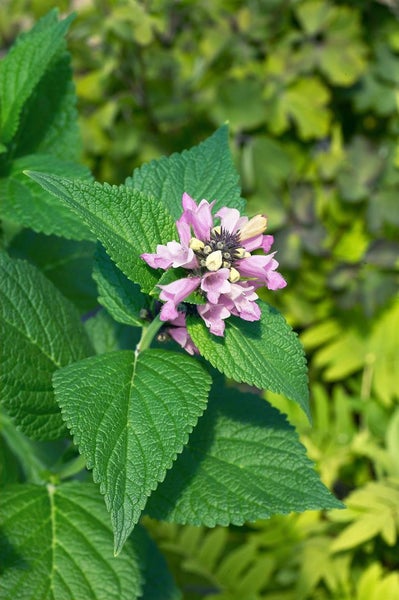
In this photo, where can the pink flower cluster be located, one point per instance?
(219, 265)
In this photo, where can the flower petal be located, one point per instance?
(214, 315)
(230, 219)
(174, 293)
(215, 284)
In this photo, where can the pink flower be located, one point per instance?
(219, 266)
(214, 315)
(178, 332)
(174, 293)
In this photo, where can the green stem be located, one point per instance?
(34, 469)
(148, 334)
(71, 468)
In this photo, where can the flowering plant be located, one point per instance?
(156, 427)
(218, 263)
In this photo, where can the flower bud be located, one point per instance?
(196, 244)
(214, 261)
(241, 253)
(254, 227)
(234, 275)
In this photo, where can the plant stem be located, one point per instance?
(148, 335)
(34, 469)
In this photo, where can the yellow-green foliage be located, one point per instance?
(310, 88)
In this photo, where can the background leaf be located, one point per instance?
(125, 221)
(40, 325)
(243, 462)
(130, 417)
(265, 353)
(49, 123)
(25, 65)
(67, 551)
(205, 171)
(158, 583)
(67, 263)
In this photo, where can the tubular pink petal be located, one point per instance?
(214, 284)
(230, 219)
(157, 261)
(182, 337)
(214, 315)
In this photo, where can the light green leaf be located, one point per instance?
(265, 353)
(205, 171)
(57, 545)
(130, 416)
(25, 65)
(243, 462)
(125, 221)
(40, 331)
(26, 203)
(304, 102)
(121, 297)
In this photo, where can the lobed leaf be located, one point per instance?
(204, 171)
(130, 416)
(57, 545)
(265, 353)
(40, 332)
(243, 462)
(125, 221)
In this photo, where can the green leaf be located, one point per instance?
(265, 353)
(25, 65)
(305, 102)
(240, 102)
(40, 331)
(120, 296)
(243, 462)
(28, 204)
(205, 171)
(67, 263)
(57, 545)
(106, 335)
(49, 122)
(125, 221)
(130, 416)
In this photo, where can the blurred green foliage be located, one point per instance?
(311, 91)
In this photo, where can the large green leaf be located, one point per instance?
(121, 297)
(49, 122)
(205, 171)
(124, 220)
(265, 353)
(243, 462)
(57, 545)
(26, 203)
(67, 263)
(130, 416)
(25, 65)
(40, 331)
